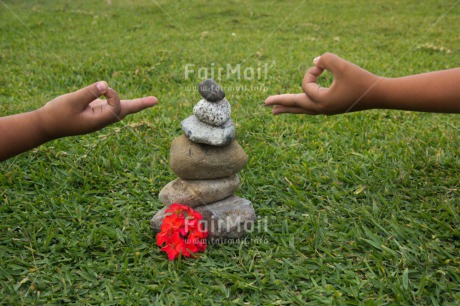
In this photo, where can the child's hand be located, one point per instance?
(82, 111)
(351, 90)
(75, 113)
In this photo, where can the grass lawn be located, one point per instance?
(362, 208)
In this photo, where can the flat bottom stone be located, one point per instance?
(229, 218)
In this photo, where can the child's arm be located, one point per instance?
(76, 113)
(355, 89)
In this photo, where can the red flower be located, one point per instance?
(182, 232)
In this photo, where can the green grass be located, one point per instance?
(363, 208)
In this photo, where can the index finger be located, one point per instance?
(136, 105)
(290, 102)
(312, 74)
(113, 100)
(287, 100)
(310, 86)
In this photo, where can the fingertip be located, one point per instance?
(314, 71)
(154, 99)
(150, 101)
(269, 101)
(316, 60)
(102, 86)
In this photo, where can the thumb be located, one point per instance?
(82, 97)
(331, 62)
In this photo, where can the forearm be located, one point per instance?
(19, 133)
(437, 91)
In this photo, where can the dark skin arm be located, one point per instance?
(355, 89)
(76, 113)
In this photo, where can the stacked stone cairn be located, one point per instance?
(207, 159)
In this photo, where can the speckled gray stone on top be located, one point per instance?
(213, 113)
(211, 91)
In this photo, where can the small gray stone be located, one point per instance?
(229, 218)
(196, 161)
(198, 192)
(200, 132)
(211, 91)
(214, 113)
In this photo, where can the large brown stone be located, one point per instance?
(198, 192)
(193, 161)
